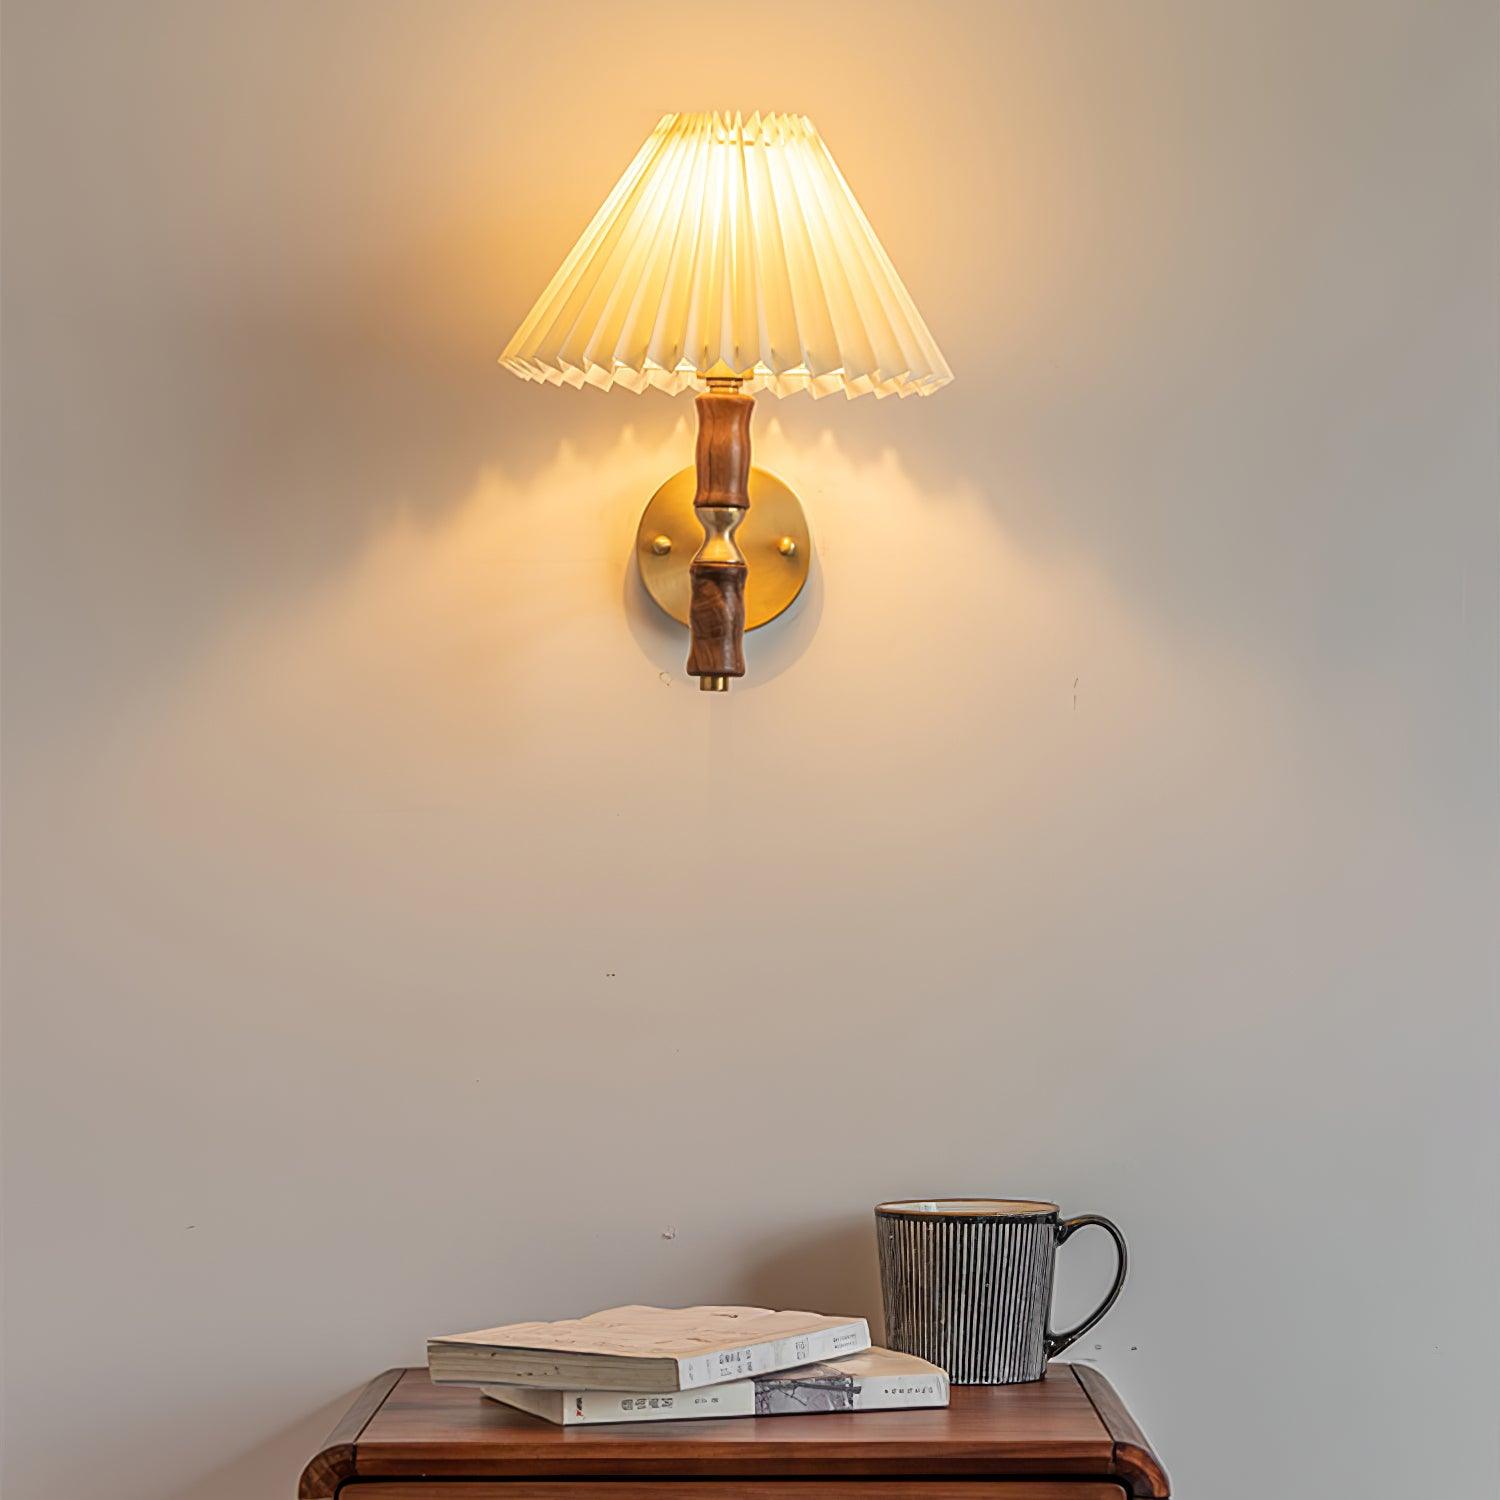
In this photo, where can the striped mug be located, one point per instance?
(967, 1284)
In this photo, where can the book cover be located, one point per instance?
(644, 1349)
(877, 1380)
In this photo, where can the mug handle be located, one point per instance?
(1057, 1342)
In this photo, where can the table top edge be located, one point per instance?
(1131, 1460)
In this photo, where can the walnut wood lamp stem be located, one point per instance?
(717, 612)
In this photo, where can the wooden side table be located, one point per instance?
(1065, 1437)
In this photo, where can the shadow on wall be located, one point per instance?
(489, 636)
(497, 622)
(458, 737)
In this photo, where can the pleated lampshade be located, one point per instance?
(731, 248)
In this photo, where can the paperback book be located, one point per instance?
(646, 1350)
(877, 1380)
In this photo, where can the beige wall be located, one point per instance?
(1114, 822)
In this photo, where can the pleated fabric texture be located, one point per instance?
(731, 247)
(969, 1294)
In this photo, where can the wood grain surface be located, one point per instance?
(716, 614)
(1069, 1426)
(724, 449)
(743, 1489)
(1134, 1459)
(334, 1462)
(716, 618)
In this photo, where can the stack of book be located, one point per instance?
(650, 1364)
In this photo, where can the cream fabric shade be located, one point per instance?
(730, 247)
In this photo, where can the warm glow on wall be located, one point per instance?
(731, 257)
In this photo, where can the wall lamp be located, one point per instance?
(730, 258)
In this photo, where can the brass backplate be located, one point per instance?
(776, 574)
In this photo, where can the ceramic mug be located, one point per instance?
(967, 1284)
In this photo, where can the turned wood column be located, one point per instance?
(716, 615)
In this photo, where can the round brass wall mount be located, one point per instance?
(773, 536)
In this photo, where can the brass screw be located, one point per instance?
(661, 545)
(787, 547)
